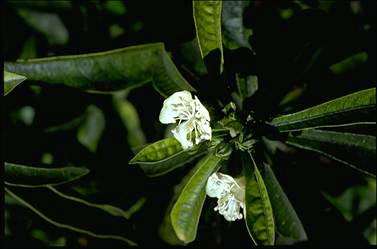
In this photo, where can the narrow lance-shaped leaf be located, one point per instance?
(349, 63)
(166, 155)
(76, 217)
(352, 108)
(207, 18)
(130, 118)
(258, 211)
(11, 80)
(108, 71)
(187, 209)
(69, 125)
(110, 209)
(91, 129)
(365, 128)
(166, 230)
(27, 176)
(355, 150)
(288, 226)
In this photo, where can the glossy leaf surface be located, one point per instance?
(187, 209)
(259, 215)
(123, 68)
(355, 107)
(27, 176)
(288, 225)
(207, 17)
(355, 150)
(11, 80)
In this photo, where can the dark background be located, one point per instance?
(284, 61)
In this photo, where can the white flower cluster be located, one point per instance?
(229, 193)
(191, 115)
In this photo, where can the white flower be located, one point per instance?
(229, 193)
(229, 207)
(191, 115)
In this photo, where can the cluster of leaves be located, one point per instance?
(246, 132)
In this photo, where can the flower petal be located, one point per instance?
(181, 133)
(174, 105)
(218, 184)
(201, 109)
(229, 194)
(215, 187)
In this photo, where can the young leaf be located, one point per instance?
(166, 155)
(108, 71)
(355, 107)
(76, 217)
(27, 176)
(186, 211)
(90, 131)
(11, 80)
(258, 211)
(355, 150)
(207, 19)
(288, 226)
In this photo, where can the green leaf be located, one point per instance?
(186, 211)
(352, 108)
(110, 209)
(90, 131)
(355, 200)
(70, 215)
(325, 5)
(29, 48)
(166, 230)
(288, 226)
(130, 118)
(69, 125)
(42, 236)
(349, 63)
(355, 150)
(192, 58)
(235, 34)
(259, 215)
(366, 128)
(166, 155)
(108, 71)
(370, 233)
(292, 96)
(49, 24)
(207, 19)
(27, 176)
(11, 80)
(115, 7)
